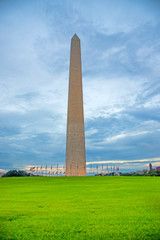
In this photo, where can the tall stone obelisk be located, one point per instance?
(75, 143)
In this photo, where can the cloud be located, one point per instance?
(120, 65)
(127, 161)
(108, 18)
(127, 165)
(90, 132)
(124, 135)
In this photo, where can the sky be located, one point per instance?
(120, 47)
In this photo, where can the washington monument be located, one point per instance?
(75, 142)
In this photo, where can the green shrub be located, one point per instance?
(15, 173)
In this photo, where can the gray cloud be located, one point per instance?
(120, 63)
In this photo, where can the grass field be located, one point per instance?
(80, 208)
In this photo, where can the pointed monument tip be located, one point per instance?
(75, 37)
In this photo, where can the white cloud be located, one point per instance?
(3, 170)
(104, 96)
(156, 164)
(90, 132)
(124, 135)
(107, 54)
(149, 56)
(126, 161)
(109, 19)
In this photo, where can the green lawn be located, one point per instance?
(80, 208)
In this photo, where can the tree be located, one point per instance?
(15, 173)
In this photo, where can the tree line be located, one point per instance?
(145, 173)
(16, 173)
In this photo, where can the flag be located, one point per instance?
(90, 168)
(32, 169)
(51, 166)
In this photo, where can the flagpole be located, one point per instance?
(57, 170)
(46, 170)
